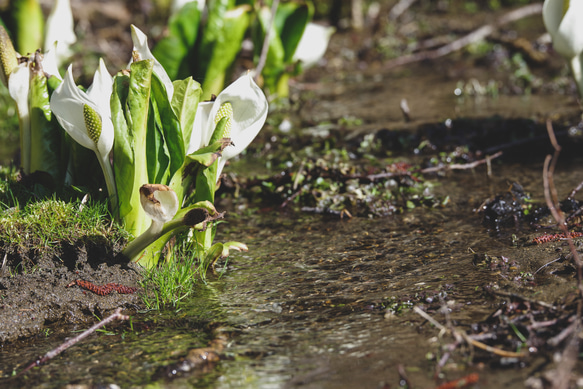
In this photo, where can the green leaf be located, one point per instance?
(123, 152)
(185, 101)
(290, 21)
(226, 47)
(169, 144)
(136, 110)
(206, 156)
(212, 30)
(172, 50)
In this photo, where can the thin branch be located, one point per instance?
(474, 36)
(71, 342)
(399, 8)
(550, 193)
(461, 166)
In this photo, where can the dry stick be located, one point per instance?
(265, 48)
(565, 368)
(462, 166)
(552, 202)
(71, 342)
(474, 36)
(468, 338)
(574, 191)
(399, 8)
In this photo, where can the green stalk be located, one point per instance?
(147, 247)
(576, 65)
(28, 22)
(110, 182)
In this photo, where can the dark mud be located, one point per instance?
(35, 294)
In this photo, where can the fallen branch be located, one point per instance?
(552, 201)
(474, 36)
(71, 342)
(468, 338)
(461, 166)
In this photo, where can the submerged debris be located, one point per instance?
(342, 189)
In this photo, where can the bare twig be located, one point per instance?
(474, 36)
(473, 342)
(552, 202)
(524, 298)
(462, 166)
(399, 8)
(71, 342)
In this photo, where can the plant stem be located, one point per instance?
(110, 182)
(576, 65)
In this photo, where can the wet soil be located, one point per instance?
(35, 292)
(323, 302)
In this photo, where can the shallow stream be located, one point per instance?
(323, 302)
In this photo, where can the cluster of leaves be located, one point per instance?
(206, 44)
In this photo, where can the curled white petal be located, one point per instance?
(250, 109)
(566, 29)
(67, 104)
(60, 29)
(18, 86)
(140, 41)
(249, 113)
(49, 62)
(100, 90)
(159, 202)
(201, 133)
(313, 44)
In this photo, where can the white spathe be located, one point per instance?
(49, 62)
(140, 41)
(565, 26)
(67, 104)
(250, 109)
(563, 21)
(60, 31)
(313, 44)
(159, 202)
(101, 89)
(18, 87)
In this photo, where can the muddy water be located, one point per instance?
(319, 302)
(313, 303)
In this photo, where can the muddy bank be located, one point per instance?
(35, 294)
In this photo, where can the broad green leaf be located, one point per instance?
(212, 30)
(172, 50)
(291, 20)
(123, 152)
(136, 109)
(156, 155)
(225, 49)
(185, 100)
(170, 145)
(206, 156)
